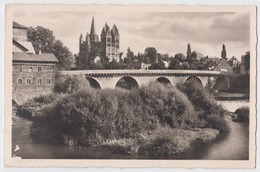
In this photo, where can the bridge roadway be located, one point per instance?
(109, 78)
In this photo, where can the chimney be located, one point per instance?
(40, 52)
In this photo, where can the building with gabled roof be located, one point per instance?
(33, 74)
(223, 66)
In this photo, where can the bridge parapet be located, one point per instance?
(110, 78)
(141, 72)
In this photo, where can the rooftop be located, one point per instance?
(17, 25)
(44, 57)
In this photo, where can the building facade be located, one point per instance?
(107, 47)
(33, 74)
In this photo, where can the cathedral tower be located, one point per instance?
(93, 36)
(110, 42)
(91, 47)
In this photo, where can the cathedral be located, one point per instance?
(92, 48)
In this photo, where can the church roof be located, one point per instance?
(17, 25)
(44, 57)
(92, 29)
(87, 36)
(105, 29)
(114, 30)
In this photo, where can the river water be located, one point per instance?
(232, 146)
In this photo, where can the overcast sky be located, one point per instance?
(168, 32)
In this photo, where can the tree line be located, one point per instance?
(43, 40)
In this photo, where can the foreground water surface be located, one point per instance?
(232, 146)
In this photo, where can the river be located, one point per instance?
(232, 146)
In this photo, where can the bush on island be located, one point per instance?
(205, 104)
(242, 114)
(93, 115)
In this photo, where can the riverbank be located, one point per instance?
(231, 96)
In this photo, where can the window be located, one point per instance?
(19, 81)
(48, 81)
(39, 69)
(29, 81)
(39, 82)
(30, 69)
(108, 39)
(20, 69)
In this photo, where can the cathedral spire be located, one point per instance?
(81, 38)
(92, 30)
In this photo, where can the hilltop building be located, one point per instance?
(106, 47)
(33, 74)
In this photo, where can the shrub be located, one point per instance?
(171, 106)
(217, 122)
(93, 115)
(70, 84)
(164, 142)
(32, 107)
(242, 114)
(202, 100)
(205, 105)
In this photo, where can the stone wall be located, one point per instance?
(39, 74)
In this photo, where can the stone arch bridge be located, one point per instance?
(109, 79)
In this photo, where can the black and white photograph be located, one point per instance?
(141, 82)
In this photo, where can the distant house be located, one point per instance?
(145, 66)
(166, 64)
(33, 74)
(223, 66)
(97, 59)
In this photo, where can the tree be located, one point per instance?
(180, 57)
(247, 61)
(151, 53)
(188, 52)
(166, 57)
(223, 52)
(174, 64)
(147, 60)
(193, 57)
(43, 40)
(130, 55)
(65, 57)
(159, 65)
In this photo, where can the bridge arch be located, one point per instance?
(194, 78)
(127, 82)
(163, 80)
(93, 82)
(222, 83)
